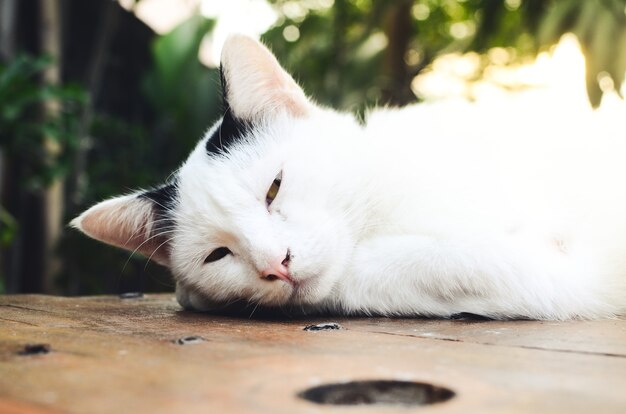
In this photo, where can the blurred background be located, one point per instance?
(100, 97)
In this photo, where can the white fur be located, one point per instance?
(433, 209)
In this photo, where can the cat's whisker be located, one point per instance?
(230, 302)
(142, 244)
(254, 310)
(172, 174)
(141, 229)
(155, 250)
(249, 302)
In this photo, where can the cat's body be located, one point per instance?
(421, 211)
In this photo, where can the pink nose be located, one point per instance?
(276, 272)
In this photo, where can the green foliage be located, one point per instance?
(185, 93)
(43, 144)
(8, 227)
(331, 58)
(358, 52)
(123, 157)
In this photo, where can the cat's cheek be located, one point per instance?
(191, 299)
(320, 268)
(275, 293)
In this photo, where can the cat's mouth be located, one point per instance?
(303, 290)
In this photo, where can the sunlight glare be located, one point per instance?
(162, 15)
(558, 74)
(250, 17)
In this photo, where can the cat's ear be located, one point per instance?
(127, 222)
(254, 83)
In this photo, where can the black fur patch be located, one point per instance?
(163, 199)
(230, 130)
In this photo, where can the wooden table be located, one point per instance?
(113, 355)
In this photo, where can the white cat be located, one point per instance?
(426, 210)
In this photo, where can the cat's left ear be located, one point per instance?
(255, 85)
(127, 222)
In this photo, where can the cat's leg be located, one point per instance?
(500, 278)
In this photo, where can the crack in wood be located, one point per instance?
(22, 322)
(24, 308)
(536, 348)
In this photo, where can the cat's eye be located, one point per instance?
(273, 191)
(217, 254)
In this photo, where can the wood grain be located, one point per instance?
(120, 355)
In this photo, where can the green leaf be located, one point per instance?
(173, 51)
(8, 227)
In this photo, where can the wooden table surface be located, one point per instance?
(112, 355)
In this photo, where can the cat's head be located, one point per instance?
(256, 212)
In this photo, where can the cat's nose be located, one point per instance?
(278, 270)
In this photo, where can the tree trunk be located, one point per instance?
(77, 180)
(7, 29)
(52, 199)
(8, 11)
(397, 90)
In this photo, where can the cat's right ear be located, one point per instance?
(254, 84)
(127, 222)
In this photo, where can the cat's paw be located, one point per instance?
(191, 300)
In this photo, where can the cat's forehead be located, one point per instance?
(232, 167)
(227, 182)
(206, 182)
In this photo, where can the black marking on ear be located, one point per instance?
(163, 199)
(230, 130)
